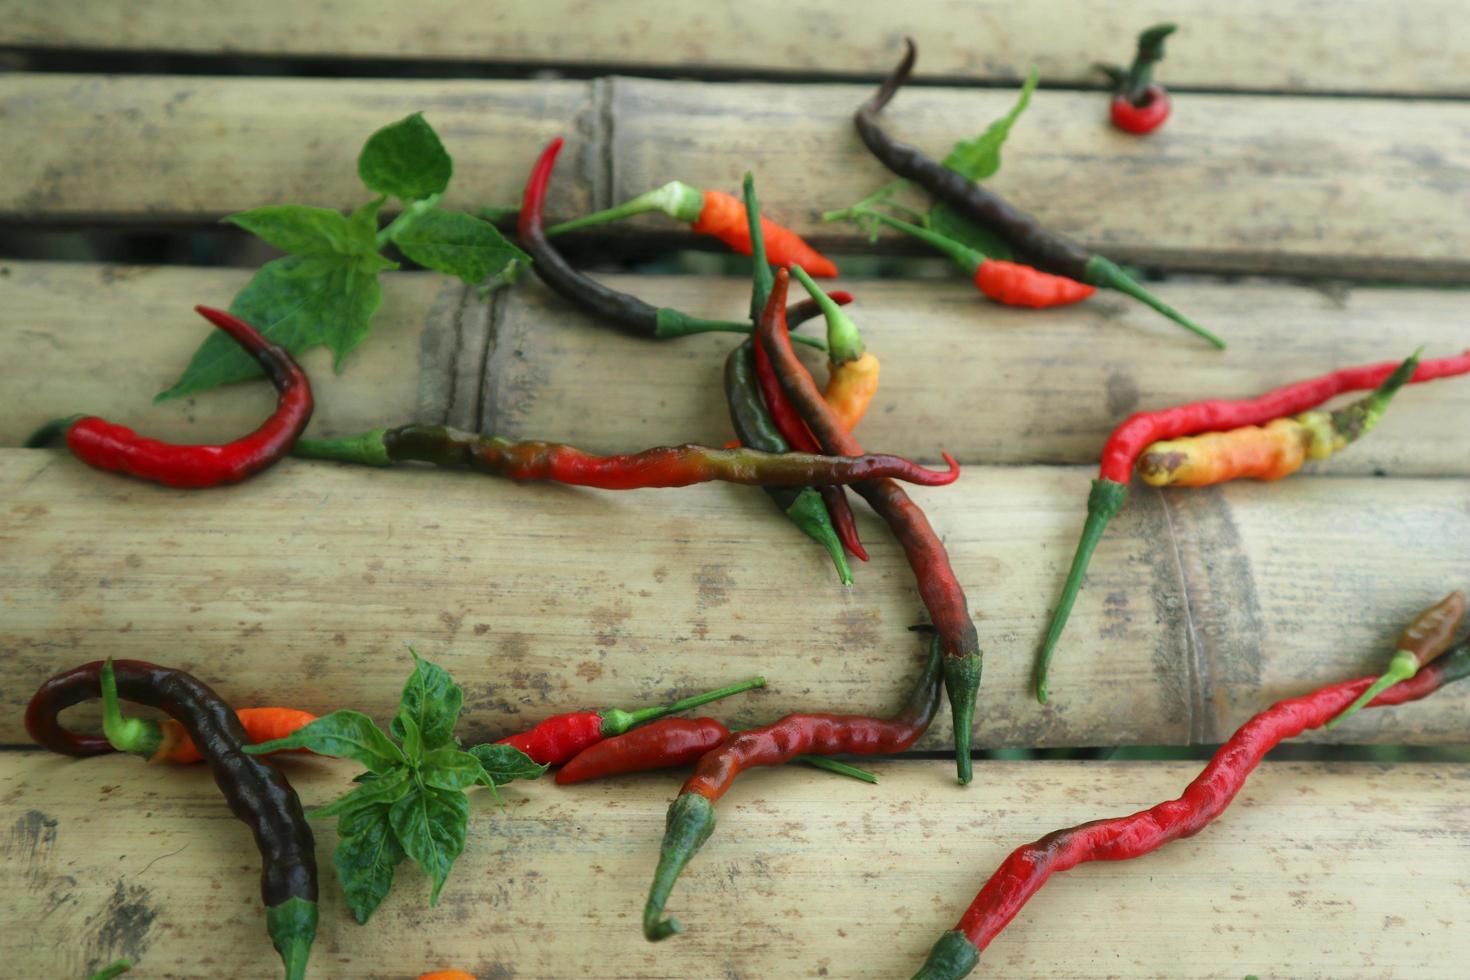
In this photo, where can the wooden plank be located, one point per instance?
(1357, 187)
(806, 875)
(1003, 395)
(171, 148)
(1383, 47)
(105, 339)
(546, 599)
(988, 383)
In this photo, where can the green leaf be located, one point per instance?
(303, 230)
(343, 734)
(430, 824)
(405, 160)
(386, 789)
(300, 302)
(367, 853)
(979, 158)
(504, 763)
(413, 741)
(362, 226)
(432, 701)
(951, 224)
(457, 243)
(448, 768)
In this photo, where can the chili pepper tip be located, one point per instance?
(690, 821)
(961, 683)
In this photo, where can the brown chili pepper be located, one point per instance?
(257, 793)
(1428, 636)
(938, 586)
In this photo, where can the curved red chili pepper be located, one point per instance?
(1027, 868)
(664, 744)
(109, 446)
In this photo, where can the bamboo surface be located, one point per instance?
(1343, 871)
(1201, 607)
(1255, 44)
(1352, 186)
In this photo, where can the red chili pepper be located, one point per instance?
(560, 737)
(691, 817)
(109, 446)
(718, 215)
(1139, 104)
(1139, 431)
(938, 586)
(1009, 283)
(1023, 873)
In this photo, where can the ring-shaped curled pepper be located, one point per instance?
(1428, 636)
(1046, 250)
(665, 466)
(712, 213)
(939, 587)
(629, 313)
(691, 817)
(109, 446)
(1145, 430)
(1028, 867)
(257, 794)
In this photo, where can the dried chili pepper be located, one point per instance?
(1010, 283)
(1428, 636)
(691, 817)
(669, 744)
(712, 213)
(560, 737)
(852, 379)
(938, 586)
(257, 794)
(1139, 104)
(665, 466)
(754, 428)
(1046, 250)
(1028, 867)
(1143, 429)
(628, 312)
(109, 446)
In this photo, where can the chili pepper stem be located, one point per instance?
(136, 735)
(690, 821)
(673, 323)
(951, 958)
(292, 927)
(50, 432)
(840, 768)
(961, 683)
(367, 448)
(844, 342)
(1361, 417)
(809, 513)
(966, 258)
(1403, 666)
(1106, 273)
(616, 721)
(676, 199)
(761, 279)
(1105, 500)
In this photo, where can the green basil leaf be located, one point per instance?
(951, 224)
(344, 734)
(979, 158)
(385, 789)
(430, 824)
(300, 302)
(300, 230)
(367, 853)
(448, 768)
(432, 701)
(413, 741)
(505, 763)
(405, 160)
(457, 243)
(362, 227)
